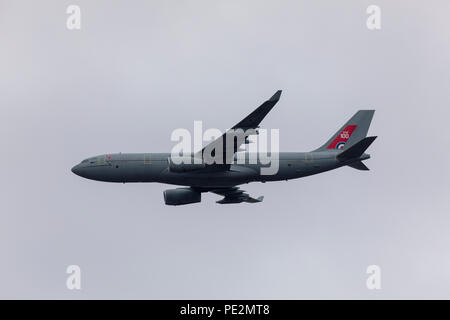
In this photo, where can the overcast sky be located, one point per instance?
(135, 72)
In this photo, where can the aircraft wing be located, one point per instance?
(237, 135)
(235, 195)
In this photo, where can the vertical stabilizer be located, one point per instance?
(351, 132)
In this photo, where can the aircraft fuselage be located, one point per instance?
(153, 167)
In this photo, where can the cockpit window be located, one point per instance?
(90, 160)
(101, 160)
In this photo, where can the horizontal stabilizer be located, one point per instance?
(358, 165)
(356, 150)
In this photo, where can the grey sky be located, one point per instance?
(133, 73)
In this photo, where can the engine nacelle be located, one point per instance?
(179, 196)
(184, 164)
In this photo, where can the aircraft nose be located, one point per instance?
(76, 169)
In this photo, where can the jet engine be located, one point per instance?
(184, 164)
(180, 196)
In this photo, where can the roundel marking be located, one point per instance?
(340, 145)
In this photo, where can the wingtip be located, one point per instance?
(276, 96)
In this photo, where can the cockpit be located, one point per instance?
(88, 166)
(100, 160)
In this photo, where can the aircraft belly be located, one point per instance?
(306, 168)
(133, 172)
(235, 176)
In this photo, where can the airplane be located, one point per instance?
(345, 148)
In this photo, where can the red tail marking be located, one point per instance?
(341, 139)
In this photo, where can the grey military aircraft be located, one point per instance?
(345, 148)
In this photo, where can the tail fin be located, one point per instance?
(350, 133)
